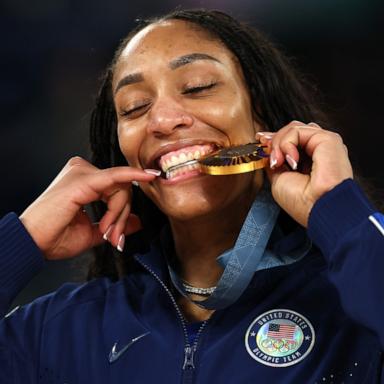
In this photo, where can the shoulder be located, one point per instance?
(69, 298)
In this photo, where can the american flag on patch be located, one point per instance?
(281, 331)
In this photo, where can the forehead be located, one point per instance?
(166, 40)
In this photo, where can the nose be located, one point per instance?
(166, 116)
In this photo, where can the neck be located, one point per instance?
(200, 241)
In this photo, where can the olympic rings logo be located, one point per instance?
(279, 345)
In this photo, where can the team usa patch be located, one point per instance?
(280, 338)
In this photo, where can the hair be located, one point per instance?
(278, 94)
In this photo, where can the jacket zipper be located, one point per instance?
(189, 351)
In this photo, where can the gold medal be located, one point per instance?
(233, 160)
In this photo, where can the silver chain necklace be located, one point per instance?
(197, 290)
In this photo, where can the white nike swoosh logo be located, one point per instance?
(115, 354)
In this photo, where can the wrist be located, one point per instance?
(29, 225)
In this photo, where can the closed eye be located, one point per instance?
(134, 112)
(198, 88)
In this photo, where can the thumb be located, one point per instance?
(273, 174)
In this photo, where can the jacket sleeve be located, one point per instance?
(350, 234)
(20, 260)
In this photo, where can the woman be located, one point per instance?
(222, 285)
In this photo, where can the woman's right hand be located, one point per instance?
(57, 221)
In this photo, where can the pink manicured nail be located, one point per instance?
(267, 136)
(272, 159)
(120, 244)
(108, 232)
(292, 163)
(153, 172)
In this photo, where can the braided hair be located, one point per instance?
(278, 94)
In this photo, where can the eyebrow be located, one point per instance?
(129, 79)
(187, 59)
(174, 64)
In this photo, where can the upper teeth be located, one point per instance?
(181, 156)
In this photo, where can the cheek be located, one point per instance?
(239, 122)
(231, 114)
(130, 139)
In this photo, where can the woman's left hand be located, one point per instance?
(318, 161)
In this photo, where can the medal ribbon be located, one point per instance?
(242, 260)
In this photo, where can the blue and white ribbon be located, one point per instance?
(248, 255)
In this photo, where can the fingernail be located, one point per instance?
(292, 163)
(108, 232)
(153, 172)
(272, 159)
(121, 242)
(267, 136)
(135, 183)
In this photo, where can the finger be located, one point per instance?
(264, 137)
(313, 124)
(119, 226)
(115, 205)
(264, 134)
(79, 161)
(127, 224)
(73, 165)
(334, 140)
(85, 239)
(277, 158)
(77, 164)
(285, 144)
(106, 182)
(296, 124)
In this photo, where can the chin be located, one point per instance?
(209, 197)
(190, 206)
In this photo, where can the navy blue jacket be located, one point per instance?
(132, 331)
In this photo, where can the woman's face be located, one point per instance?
(179, 94)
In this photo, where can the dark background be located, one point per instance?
(53, 53)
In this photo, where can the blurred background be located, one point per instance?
(54, 52)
